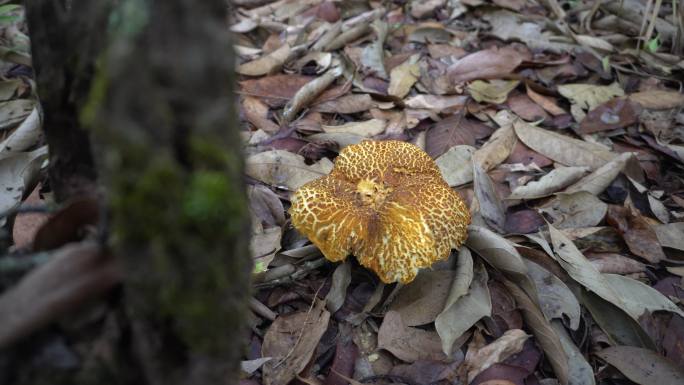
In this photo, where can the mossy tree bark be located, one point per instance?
(162, 110)
(160, 107)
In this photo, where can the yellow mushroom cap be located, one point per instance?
(386, 203)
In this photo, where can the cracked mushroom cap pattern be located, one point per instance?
(386, 203)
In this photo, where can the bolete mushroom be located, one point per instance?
(386, 203)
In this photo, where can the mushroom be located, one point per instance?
(386, 203)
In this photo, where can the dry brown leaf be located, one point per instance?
(497, 148)
(658, 99)
(256, 112)
(285, 169)
(419, 302)
(510, 343)
(492, 208)
(456, 165)
(493, 91)
(601, 178)
(637, 232)
(407, 343)
(643, 366)
(365, 129)
(291, 340)
(486, 64)
(266, 64)
(403, 77)
(546, 102)
(579, 209)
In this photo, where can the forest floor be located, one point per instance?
(560, 123)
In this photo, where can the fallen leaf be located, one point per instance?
(347, 104)
(638, 297)
(338, 288)
(643, 366)
(613, 114)
(575, 210)
(420, 301)
(555, 298)
(436, 103)
(658, 99)
(501, 254)
(509, 26)
(581, 269)
(456, 165)
(602, 177)
(283, 168)
(493, 91)
(491, 206)
(637, 232)
(486, 64)
(579, 370)
(403, 77)
(615, 263)
(407, 343)
(373, 56)
(452, 131)
(563, 149)
(543, 332)
(19, 173)
(546, 102)
(496, 149)
(590, 96)
(309, 92)
(266, 64)
(467, 308)
(365, 129)
(671, 235)
(291, 340)
(555, 180)
(500, 349)
(526, 108)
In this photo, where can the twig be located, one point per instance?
(261, 309)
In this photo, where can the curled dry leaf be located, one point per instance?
(510, 343)
(555, 180)
(309, 92)
(497, 148)
(373, 55)
(338, 289)
(266, 64)
(284, 169)
(602, 177)
(545, 102)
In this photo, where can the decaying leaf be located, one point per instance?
(291, 340)
(266, 64)
(503, 347)
(658, 99)
(497, 148)
(642, 366)
(407, 343)
(420, 301)
(555, 298)
(491, 206)
(590, 96)
(365, 129)
(601, 178)
(575, 210)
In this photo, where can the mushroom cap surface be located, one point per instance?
(386, 203)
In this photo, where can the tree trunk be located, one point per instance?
(152, 81)
(65, 42)
(173, 168)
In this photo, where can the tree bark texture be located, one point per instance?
(66, 38)
(171, 158)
